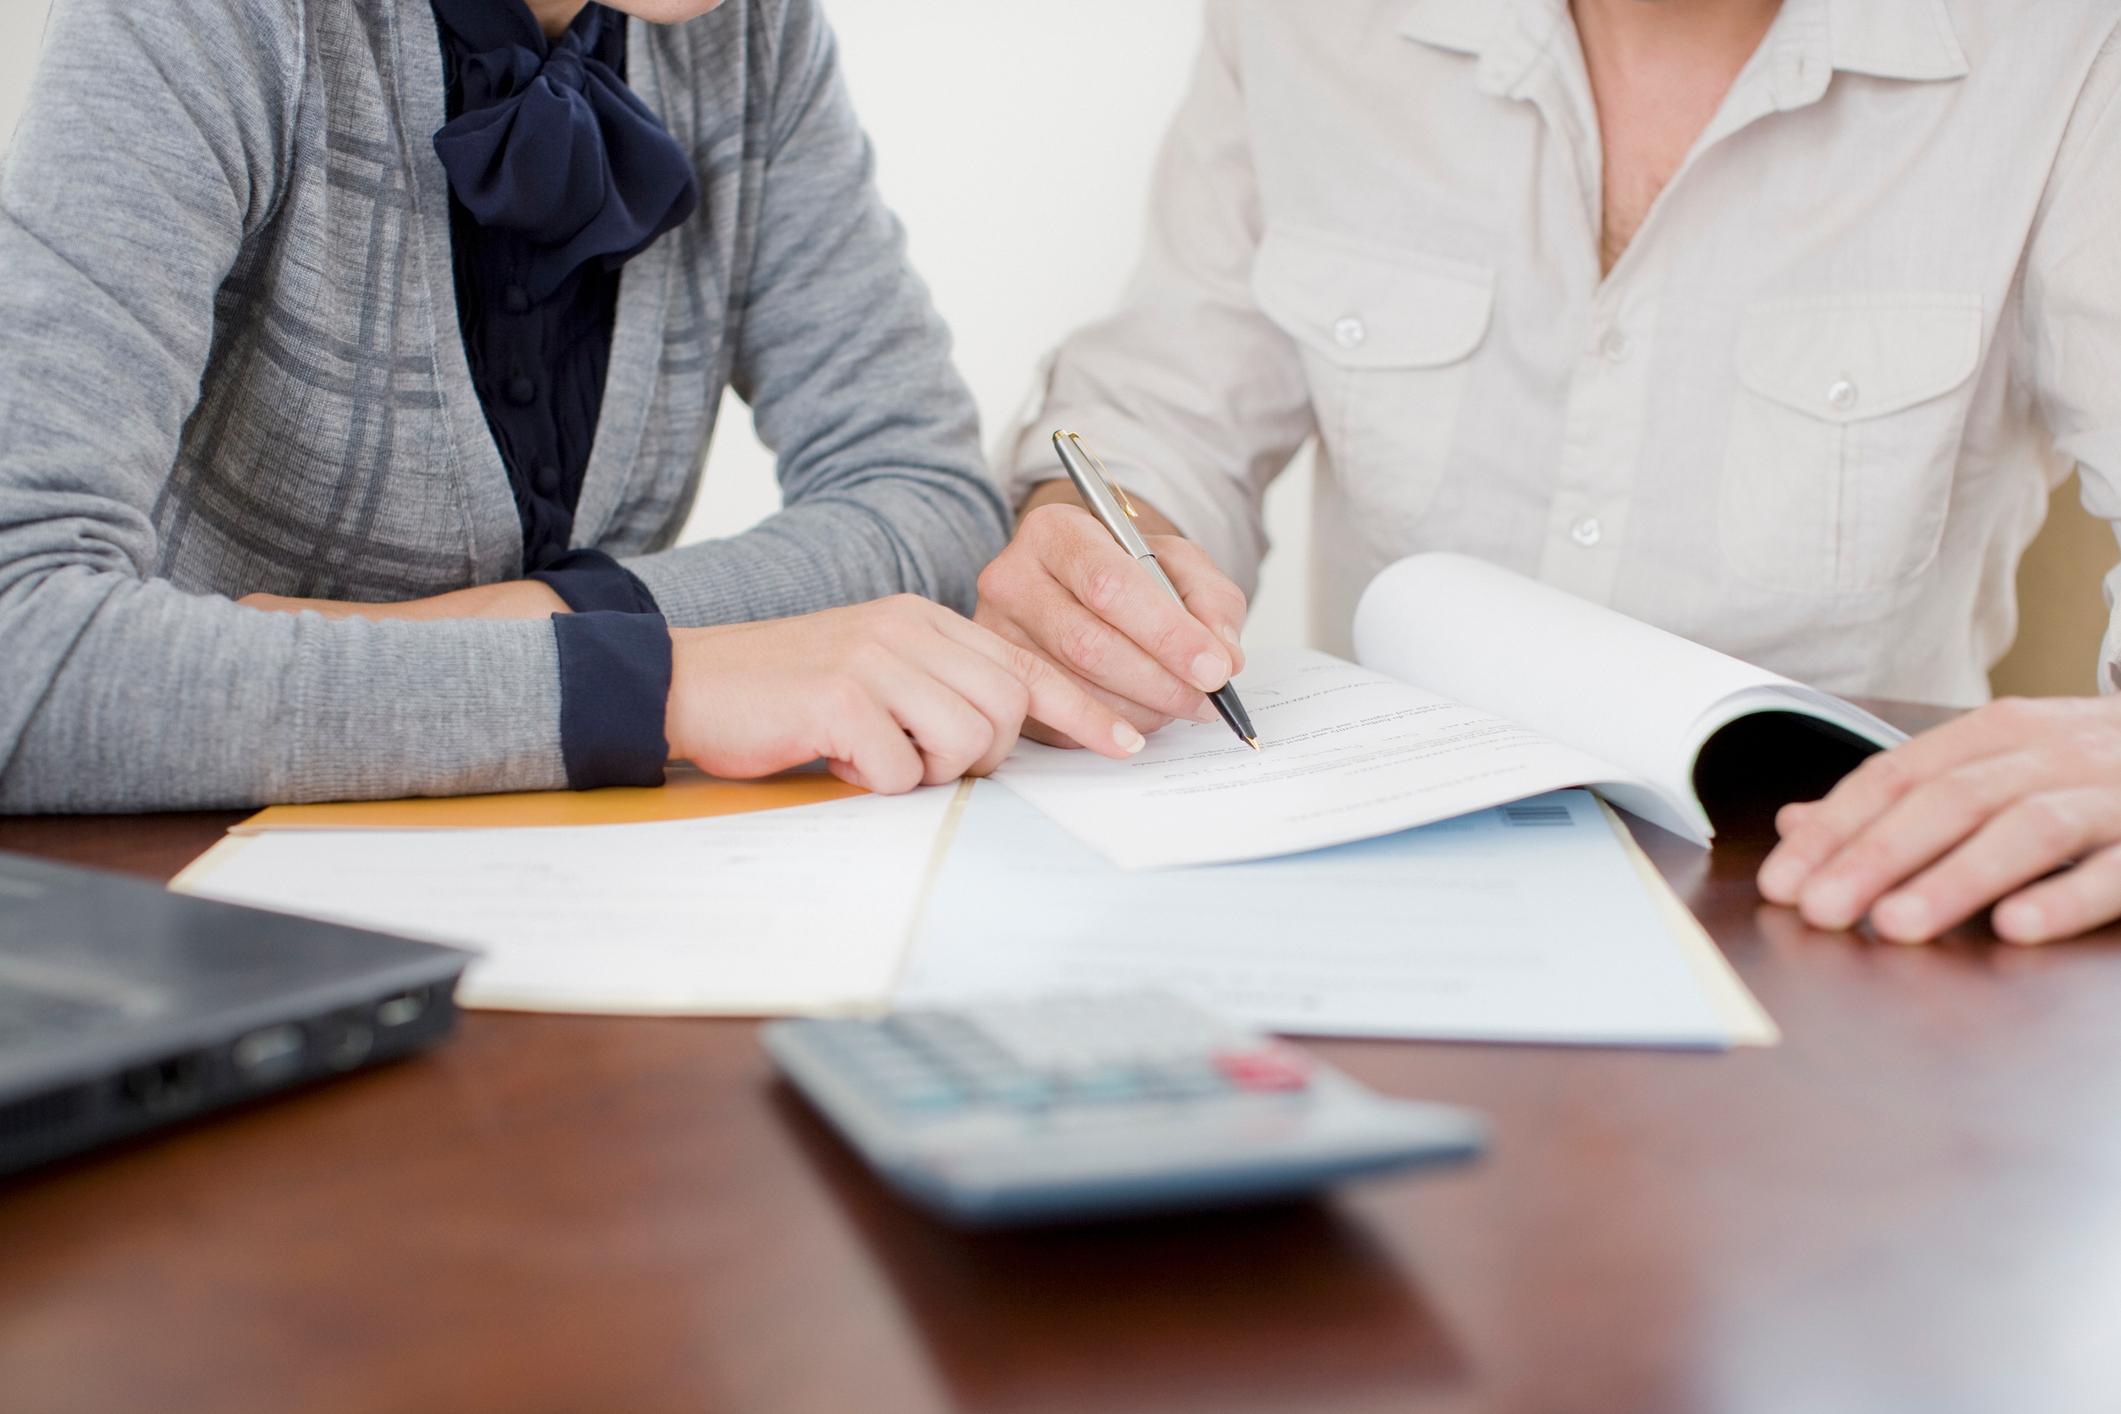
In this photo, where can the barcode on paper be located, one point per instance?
(1536, 814)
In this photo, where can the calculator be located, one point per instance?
(1089, 1106)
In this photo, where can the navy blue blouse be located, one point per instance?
(558, 175)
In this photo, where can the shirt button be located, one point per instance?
(1349, 333)
(1841, 394)
(1587, 532)
(515, 299)
(521, 390)
(1614, 346)
(547, 477)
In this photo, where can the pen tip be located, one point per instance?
(1253, 742)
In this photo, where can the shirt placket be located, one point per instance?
(1601, 447)
(1613, 388)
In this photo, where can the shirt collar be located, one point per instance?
(1506, 36)
(1891, 39)
(1895, 39)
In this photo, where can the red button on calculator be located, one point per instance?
(1264, 1070)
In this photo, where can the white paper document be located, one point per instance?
(799, 910)
(1531, 922)
(1576, 672)
(1346, 754)
(1528, 922)
(1474, 686)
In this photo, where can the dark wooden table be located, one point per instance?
(1914, 1203)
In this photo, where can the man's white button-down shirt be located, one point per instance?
(1811, 417)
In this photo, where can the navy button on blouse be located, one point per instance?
(558, 175)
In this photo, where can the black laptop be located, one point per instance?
(124, 1007)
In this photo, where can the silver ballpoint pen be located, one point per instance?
(1116, 513)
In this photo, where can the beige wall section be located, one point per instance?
(2061, 611)
(976, 198)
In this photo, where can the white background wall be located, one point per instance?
(977, 110)
(21, 21)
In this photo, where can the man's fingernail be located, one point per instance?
(2022, 923)
(1210, 671)
(1830, 904)
(1904, 917)
(1229, 635)
(1781, 877)
(1204, 711)
(1130, 740)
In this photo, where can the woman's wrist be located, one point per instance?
(688, 677)
(514, 599)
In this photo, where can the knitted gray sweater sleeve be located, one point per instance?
(847, 370)
(148, 152)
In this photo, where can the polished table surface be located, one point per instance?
(1913, 1203)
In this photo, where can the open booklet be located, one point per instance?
(1475, 687)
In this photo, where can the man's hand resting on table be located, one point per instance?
(1065, 590)
(1976, 812)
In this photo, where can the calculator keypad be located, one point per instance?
(1095, 1105)
(1053, 1059)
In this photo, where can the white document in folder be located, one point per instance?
(802, 910)
(1347, 754)
(1527, 922)
(1474, 686)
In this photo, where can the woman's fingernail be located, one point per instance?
(1210, 671)
(1904, 918)
(1130, 740)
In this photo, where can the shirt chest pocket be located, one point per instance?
(1386, 338)
(1845, 437)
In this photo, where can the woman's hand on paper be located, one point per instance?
(891, 695)
(514, 599)
(1983, 810)
(1066, 591)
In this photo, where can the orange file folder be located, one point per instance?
(687, 794)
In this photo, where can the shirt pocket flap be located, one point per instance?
(1846, 358)
(1363, 307)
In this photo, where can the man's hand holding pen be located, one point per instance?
(1065, 589)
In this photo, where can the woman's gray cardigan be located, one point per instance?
(230, 362)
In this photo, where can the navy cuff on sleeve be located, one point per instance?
(590, 580)
(614, 687)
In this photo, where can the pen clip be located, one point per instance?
(1106, 498)
(1104, 474)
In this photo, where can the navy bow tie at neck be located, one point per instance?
(549, 142)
